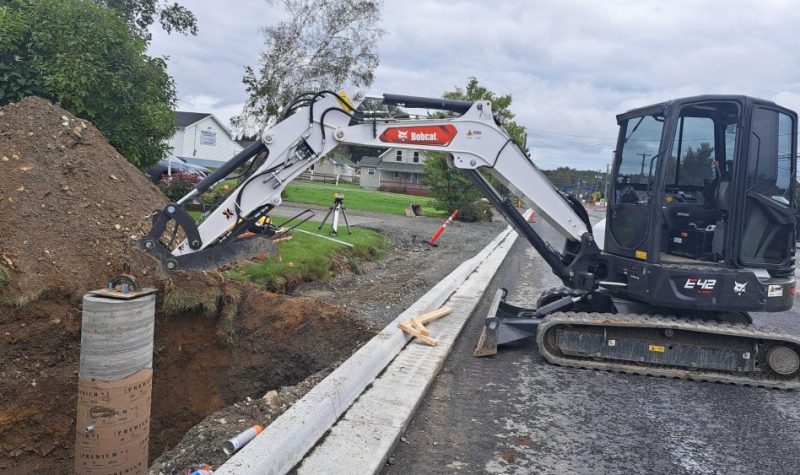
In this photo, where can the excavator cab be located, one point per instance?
(706, 182)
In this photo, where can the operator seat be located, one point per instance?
(699, 216)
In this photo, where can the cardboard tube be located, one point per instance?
(115, 385)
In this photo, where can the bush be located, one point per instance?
(480, 210)
(178, 185)
(453, 190)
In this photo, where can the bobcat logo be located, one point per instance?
(402, 135)
(739, 288)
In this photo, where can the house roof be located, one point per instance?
(371, 162)
(185, 119)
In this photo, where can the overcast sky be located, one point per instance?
(570, 65)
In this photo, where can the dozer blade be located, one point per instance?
(504, 323)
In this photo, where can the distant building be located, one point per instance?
(394, 170)
(201, 139)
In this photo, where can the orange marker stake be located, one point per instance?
(439, 231)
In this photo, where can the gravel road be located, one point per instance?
(515, 413)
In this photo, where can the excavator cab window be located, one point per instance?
(633, 189)
(767, 224)
(697, 181)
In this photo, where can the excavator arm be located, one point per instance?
(315, 124)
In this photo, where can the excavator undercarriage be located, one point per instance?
(593, 336)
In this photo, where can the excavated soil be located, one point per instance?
(69, 203)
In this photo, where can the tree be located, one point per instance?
(84, 57)
(141, 14)
(321, 45)
(696, 165)
(452, 190)
(450, 187)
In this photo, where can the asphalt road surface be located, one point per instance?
(514, 413)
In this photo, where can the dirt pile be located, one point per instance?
(69, 203)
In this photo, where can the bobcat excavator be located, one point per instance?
(699, 229)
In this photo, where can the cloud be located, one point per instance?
(208, 68)
(570, 65)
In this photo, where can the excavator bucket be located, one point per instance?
(413, 210)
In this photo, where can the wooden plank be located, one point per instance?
(413, 331)
(420, 327)
(428, 317)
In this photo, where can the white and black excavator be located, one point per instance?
(699, 228)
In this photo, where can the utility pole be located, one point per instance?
(644, 155)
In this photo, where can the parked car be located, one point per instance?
(175, 164)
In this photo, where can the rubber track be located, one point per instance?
(651, 321)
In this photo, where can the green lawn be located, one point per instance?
(356, 198)
(305, 257)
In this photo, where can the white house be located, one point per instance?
(201, 139)
(393, 168)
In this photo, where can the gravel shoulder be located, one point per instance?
(381, 290)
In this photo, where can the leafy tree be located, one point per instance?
(696, 165)
(84, 57)
(453, 190)
(141, 14)
(450, 187)
(321, 45)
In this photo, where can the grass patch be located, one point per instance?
(305, 257)
(181, 301)
(5, 276)
(25, 299)
(356, 198)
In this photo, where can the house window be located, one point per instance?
(371, 171)
(396, 175)
(399, 157)
(208, 137)
(416, 157)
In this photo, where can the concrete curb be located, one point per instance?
(364, 438)
(284, 442)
